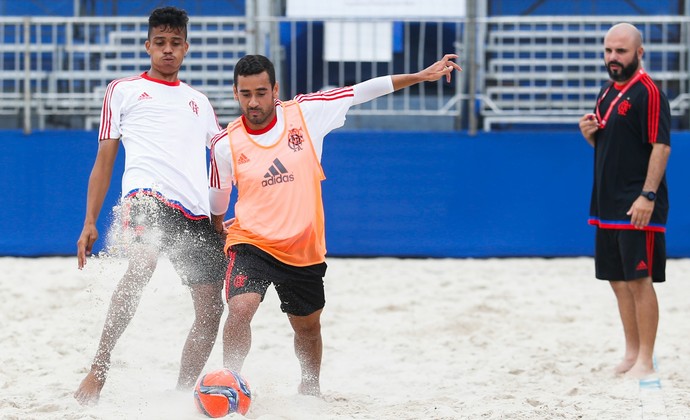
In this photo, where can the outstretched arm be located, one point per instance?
(326, 110)
(383, 85)
(443, 67)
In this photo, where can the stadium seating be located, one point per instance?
(542, 71)
(72, 61)
(529, 70)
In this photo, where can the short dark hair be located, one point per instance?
(171, 18)
(250, 65)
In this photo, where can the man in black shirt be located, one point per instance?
(630, 133)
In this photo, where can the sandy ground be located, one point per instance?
(403, 339)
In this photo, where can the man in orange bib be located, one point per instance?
(272, 154)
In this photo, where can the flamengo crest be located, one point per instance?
(194, 106)
(295, 139)
(624, 107)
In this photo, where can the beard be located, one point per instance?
(260, 116)
(625, 72)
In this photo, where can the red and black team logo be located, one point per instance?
(239, 281)
(194, 107)
(624, 107)
(295, 139)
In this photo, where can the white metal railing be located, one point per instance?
(316, 58)
(549, 69)
(70, 61)
(536, 69)
(56, 69)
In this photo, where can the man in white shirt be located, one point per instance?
(165, 127)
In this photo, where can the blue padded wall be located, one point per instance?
(416, 194)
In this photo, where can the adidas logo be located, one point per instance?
(277, 174)
(144, 96)
(641, 266)
(242, 159)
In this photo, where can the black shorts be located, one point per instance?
(630, 254)
(252, 270)
(192, 245)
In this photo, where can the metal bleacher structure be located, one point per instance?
(536, 70)
(549, 69)
(70, 62)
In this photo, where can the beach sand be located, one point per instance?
(525, 338)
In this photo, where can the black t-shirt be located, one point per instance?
(638, 119)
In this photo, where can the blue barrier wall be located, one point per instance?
(386, 194)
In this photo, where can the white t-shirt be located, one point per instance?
(165, 129)
(323, 112)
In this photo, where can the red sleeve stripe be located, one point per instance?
(215, 139)
(214, 176)
(653, 105)
(328, 95)
(322, 98)
(107, 116)
(214, 180)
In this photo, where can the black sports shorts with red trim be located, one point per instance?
(193, 246)
(252, 270)
(630, 254)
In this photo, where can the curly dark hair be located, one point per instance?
(250, 65)
(171, 18)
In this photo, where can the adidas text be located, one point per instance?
(277, 179)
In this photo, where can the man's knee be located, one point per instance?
(208, 301)
(140, 270)
(213, 311)
(307, 326)
(243, 307)
(640, 287)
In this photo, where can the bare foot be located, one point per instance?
(310, 388)
(90, 387)
(624, 366)
(640, 371)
